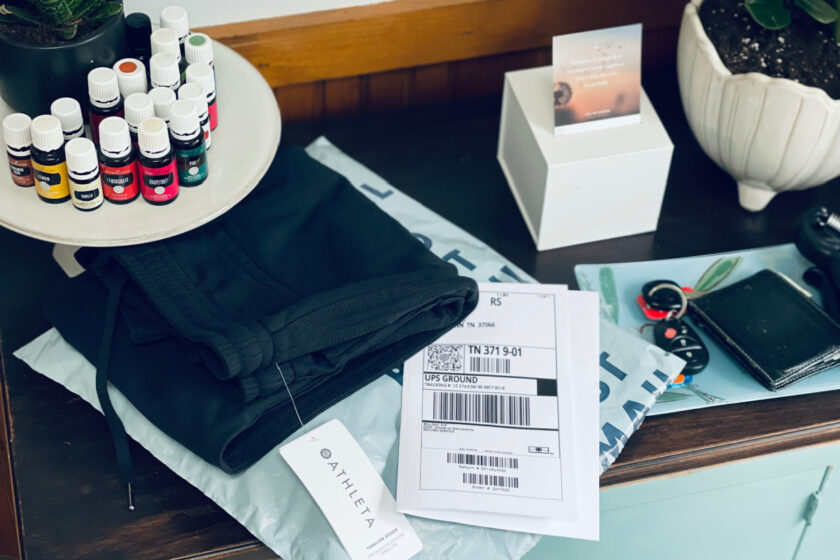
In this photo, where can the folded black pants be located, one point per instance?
(304, 288)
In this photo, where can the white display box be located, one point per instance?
(583, 187)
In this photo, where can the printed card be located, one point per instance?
(597, 79)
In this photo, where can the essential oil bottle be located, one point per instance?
(175, 18)
(138, 107)
(199, 48)
(165, 41)
(68, 111)
(83, 171)
(162, 99)
(19, 148)
(164, 71)
(192, 92)
(188, 143)
(138, 28)
(105, 98)
(117, 162)
(131, 76)
(48, 160)
(200, 73)
(159, 174)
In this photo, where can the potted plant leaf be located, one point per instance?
(47, 48)
(760, 85)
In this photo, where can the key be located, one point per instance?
(662, 299)
(677, 337)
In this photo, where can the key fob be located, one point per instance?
(677, 337)
(662, 299)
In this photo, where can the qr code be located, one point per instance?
(447, 358)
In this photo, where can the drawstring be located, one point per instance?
(115, 425)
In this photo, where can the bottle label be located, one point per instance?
(213, 111)
(120, 183)
(22, 171)
(160, 184)
(205, 127)
(87, 195)
(51, 180)
(192, 165)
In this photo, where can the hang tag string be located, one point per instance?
(290, 392)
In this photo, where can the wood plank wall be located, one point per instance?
(409, 52)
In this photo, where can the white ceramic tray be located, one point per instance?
(243, 147)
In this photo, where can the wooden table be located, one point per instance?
(63, 495)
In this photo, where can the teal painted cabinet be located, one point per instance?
(748, 509)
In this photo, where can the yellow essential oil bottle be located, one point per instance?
(48, 160)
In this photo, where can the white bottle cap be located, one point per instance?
(200, 73)
(199, 48)
(175, 18)
(131, 76)
(192, 92)
(69, 112)
(16, 130)
(162, 98)
(153, 137)
(138, 107)
(103, 88)
(184, 124)
(164, 71)
(81, 155)
(46, 133)
(114, 140)
(165, 41)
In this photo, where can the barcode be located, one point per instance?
(482, 408)
(483, 460)
(490, 365)
(491, 480)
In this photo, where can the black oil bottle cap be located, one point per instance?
(138, 28)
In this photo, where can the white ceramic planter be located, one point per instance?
(770, 134)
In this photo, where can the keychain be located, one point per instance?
(665, 302)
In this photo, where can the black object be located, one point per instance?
(818, 239)
(817, 278)
(33, 76)
(661, 299)
(677, 337)
(305, 288)
(778, 334)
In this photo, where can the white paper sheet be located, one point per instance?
(461, 460)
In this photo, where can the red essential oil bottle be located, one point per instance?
(159, 174)
(18, 148)
(200, 73)
(117, 162)
(105, 98)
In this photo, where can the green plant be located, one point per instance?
(59, 17)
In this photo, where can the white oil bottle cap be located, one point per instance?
(103, 89)
(153, 137)
(199, 48)
(165, 41)
(16, 130)
(131, 76)
(200, 73)
(192, 92)
(81, 155)
(164, 71)
(162, 98)
(175, 18)
(184, 123)
(114, 140)
(46, 133)
(138, 107)
(69, 112)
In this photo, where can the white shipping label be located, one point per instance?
(483, 428)
(352, 495)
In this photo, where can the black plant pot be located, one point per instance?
(32, 76)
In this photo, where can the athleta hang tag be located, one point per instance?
(352, 495)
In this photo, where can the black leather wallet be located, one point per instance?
(769, 325)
